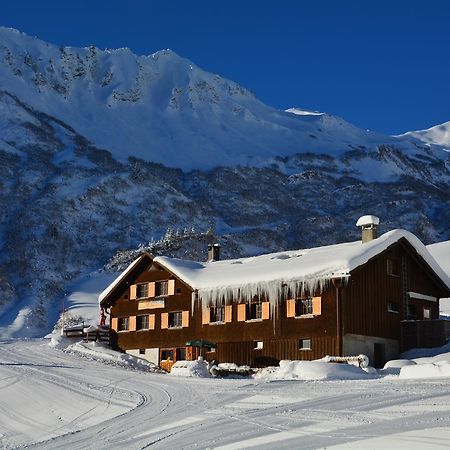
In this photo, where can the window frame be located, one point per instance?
(253, 310)
(393, 267)
(171, 322)
(302, 346)
(123, 324)
(392, 307)
(143, 286)
(426, 308)
(214, 317)
(140, 328)
(304, 305)
(161, 288)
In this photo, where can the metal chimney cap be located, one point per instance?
(365, 221)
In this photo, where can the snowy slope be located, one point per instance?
(439, 134)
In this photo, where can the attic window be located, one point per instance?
(393, 267)
(161, 288)
(142, 290)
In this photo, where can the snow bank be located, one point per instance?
(428, 370)
(313, 370)
(100, 352)
(197, 368)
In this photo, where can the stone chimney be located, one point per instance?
(368, 226)
(213, 252)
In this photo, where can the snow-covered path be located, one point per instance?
(52, 400)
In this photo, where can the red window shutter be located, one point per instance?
(133, 292)
(317, 306)
(241, 312)
(132, 323)
(114, 323)
(164, 320)
(265, 310)
(290, 307)
(185, 319)
(171, 287)
(228, 313)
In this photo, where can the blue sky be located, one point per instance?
(381, 65)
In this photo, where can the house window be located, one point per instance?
(178, 290)
(142, 290)
(412, 313)
(181, 354)
(142, 322)
(161, 288)
(122, 324)
(304, 344)
(259, 345)
(142, 351)
(175, 319)
(217, 313)
(392, 307)
(426, 313)
(167, 354)
(253, 310)
(393, 267)
(303, 306)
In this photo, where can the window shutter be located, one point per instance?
(151, 289)
(185, 319)
(132, 323)
(164, 320)
(151, 321)
(171, 287)
(265, 310)
(206, 312)
(228, 313)
(241, 312)
(317, 306)
(133, 292)
(114, 323)
(290, 307)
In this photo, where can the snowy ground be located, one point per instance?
(52, 399)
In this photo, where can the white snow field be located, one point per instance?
(52, 399)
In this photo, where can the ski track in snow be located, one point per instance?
(77, 403)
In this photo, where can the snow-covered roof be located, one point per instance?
(300, 270)
(441, 253)
(122, 276)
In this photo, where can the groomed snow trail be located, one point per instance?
(53, 400)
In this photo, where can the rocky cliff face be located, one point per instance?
(103, 150)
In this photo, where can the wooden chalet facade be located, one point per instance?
(155, 307)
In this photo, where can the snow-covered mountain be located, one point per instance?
(101, 150)
(439, 135)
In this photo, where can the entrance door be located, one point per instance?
(379, 355)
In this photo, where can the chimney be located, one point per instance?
(213, 252)
(368, 226)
